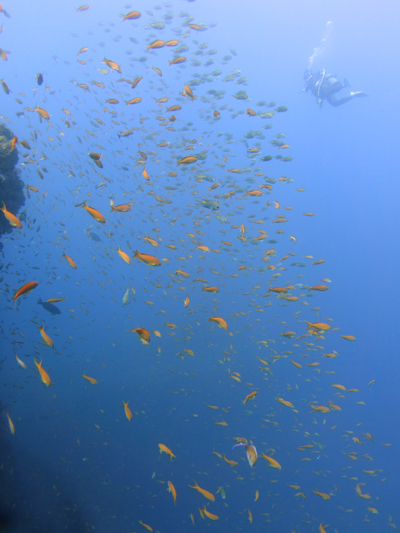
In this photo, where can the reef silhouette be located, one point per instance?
(11, 184)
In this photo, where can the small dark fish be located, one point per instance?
(51, 308)
(39, 79)
(93, 236)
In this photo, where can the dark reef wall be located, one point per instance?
(11, 185)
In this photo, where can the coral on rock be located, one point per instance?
(11, 185)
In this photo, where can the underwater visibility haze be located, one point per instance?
(199, 266)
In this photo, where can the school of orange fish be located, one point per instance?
(189, 227)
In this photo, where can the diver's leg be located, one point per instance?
(335, 102)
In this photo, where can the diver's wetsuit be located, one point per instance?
(324, 87)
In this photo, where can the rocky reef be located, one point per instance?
(11, 185)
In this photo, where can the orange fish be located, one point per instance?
(166, 450)
(132, 15)
(94, 156)
(209, 515)
(43, 374)
(42, 112)
(177, 60)
(271, 461)
(70, 261)
(171, 489)
(93, 212)
(45, 337)
(25, 289)
(249, 396)
(320, 409)
(10, 423)
(128, 412)
(220, 321)
(122, 208)
(91, 380)
(213, 290)
(12, 219)
(112, 65)
(188, 91)
(150, 260)
(322, 494)
(149, 528)
(123, 256)
(187, 160)
(142, 333)
(204, 492)
(318, 288)
(348, 337)
(187, 301)
(14, 141)
(318, 326)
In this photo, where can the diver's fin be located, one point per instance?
(346, 83)
(358, 93)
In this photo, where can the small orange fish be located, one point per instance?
(124, 256)
(320, 409)
(220, 321)
(10, 423)
(93, 212)
(25, 289)
(70, 261)
(122, 208)
(209, 515)
(213, 290)
(91, 380)
(43, 374)
(150, 260)
(171, 489)
(112, 65)
(187, 160)
(13, 142)
(12, 219)
(45, 337)
(322, 494)
(166, 450)
(204, 492)
(187, 301)
(132, 15)
(348, 337)
(249, 396)
(149, 528)
(318, 326)
(141, 332)
(177, 60)
(271, 461)
(42, 112)
(128, 412)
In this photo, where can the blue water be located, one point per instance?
(75, 462)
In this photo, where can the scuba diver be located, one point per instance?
(324, 87)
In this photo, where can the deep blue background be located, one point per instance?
(65, 473)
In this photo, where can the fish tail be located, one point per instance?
(136, 254)
(4, 207)
(40, 301)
